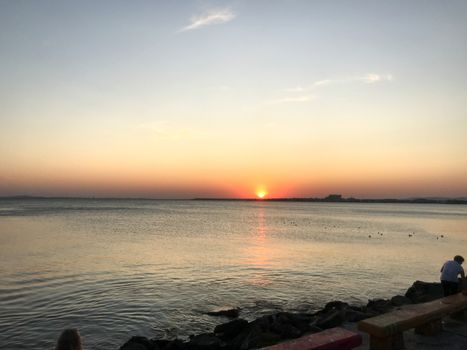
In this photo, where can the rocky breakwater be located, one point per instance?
(271, 329)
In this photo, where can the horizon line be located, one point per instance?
(329, 198)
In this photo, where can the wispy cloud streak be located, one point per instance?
(215, 16)
(374, 78)
(369, 78)
(308, 93)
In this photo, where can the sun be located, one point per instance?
(261, 193)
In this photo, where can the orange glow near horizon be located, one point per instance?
(181, 182)
(135, 177)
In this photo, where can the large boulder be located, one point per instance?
(268, 330)
(300, 321)
(379, 306)
(230, 329)
(286, 324)
(422, 292)
(399, 300)
(255, 336)
(335, 305)
(166, 344)
(139, 343)
(330, 319)
(282, 324)
(205, 341)
(356, 314)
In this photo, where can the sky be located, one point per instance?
(182, 99)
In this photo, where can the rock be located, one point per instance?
(379, 306)
(166, 344)
(285, 324)
(280, 324)
(357, 308)
(230, 329)
(139, 343)
(400, 300)
(332, 306)
(254, 337)
(355, 316)
(300, 321)
(421, 292)
(337, 312)
(331, 319)
(231, 313)
(206, 341)
(262, 340)
(288, 331)
(357, 313)
(134, 346)
(335, 305)
(264, 322)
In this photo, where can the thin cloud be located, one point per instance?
(374, 78)
(369, 78)
(297, 89)
(326, 82)
(211, 17)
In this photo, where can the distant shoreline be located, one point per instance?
(346, 200)
(328, 199)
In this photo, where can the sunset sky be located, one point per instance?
(181, 99)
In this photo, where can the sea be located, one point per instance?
(119, 268)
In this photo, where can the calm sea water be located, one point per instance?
(117, 268)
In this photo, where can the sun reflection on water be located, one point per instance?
(259, 252)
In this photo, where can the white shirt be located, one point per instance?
(450, 270)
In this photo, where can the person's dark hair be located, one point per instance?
(459, 259)
(69, 340)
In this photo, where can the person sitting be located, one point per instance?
(449, 272)
(70, 339)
